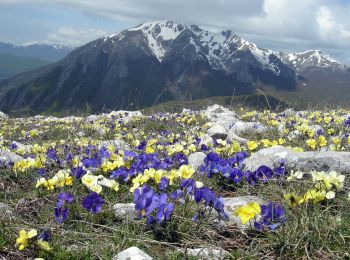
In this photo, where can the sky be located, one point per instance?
(281, 25)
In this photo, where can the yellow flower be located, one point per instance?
(23, 238)
(186, 171)
(327, 119)
(252, 145)
(322, 141)
(336, 140)
(314, 195)
(293, 200)
(311, 143)
(248, 212)
(44, 245)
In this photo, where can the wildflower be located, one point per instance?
(61, 214)
(145, 200)
(23, 238)
(311, 143)
(165, 209)
(272, 216)
(322, 141)
(252, 145)
(293, 200)
(264, 173)
(93, 202)
(330, 195)
(248, 212)
(186, 171)
(44, 245)
(295, 175)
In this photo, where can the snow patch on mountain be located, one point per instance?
(311, 59)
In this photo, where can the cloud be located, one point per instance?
(73, 37)
(316, 24)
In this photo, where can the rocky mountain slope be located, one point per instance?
(151, 63)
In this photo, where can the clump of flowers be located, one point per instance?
(326, 184)
(26, 238)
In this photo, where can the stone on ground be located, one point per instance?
(196, 159)
(304, 161)
(132, 253)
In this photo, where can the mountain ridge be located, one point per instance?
(161, 61)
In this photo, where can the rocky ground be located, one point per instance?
(213, 184)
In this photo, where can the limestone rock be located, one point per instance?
(9, 157)
(132, 253)
(253, 127)
(217, 132)
(304, 161)
(221, 116)
(207, 253)
(231, 204)
(124, 210)
(3, 115)
(196, 159)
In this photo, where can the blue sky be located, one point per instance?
(278, 24)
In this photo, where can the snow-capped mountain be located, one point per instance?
(46, 52)
(220, 49)
(159, 61)
(311, 60)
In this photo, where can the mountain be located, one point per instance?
(322, 80)
(44, 52)
(152, 63)
(11, 65)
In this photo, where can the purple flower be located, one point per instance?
(61, 214)
(64, 198)
(51, 154)
(93, 202)
(188, 184)
(164, 211)
(41, 171)
(347, 121)
(164, 183)
(236, 175)
(78, 172)
(146, 200)
(272, 216)
(44, 235)
(264, 173)
(178, 195)
(250, 177)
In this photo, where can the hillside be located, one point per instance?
(11, 65)
(163, 61)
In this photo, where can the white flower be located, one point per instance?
(330, 195)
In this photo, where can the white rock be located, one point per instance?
(9, 157)
(25, 147)
(206, 139)
(221, 116)
(119, 144)
(233, 137)
(217, 132)
(196, 159)
(304, 161)
(252, 127)
(288, 112)
(4, 209)
(124, 210)
(3, 115)
(207, 253)
(124, 113)
(231, 204)
(132, 253)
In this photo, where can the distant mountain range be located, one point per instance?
(161, 61)
(17, 59)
